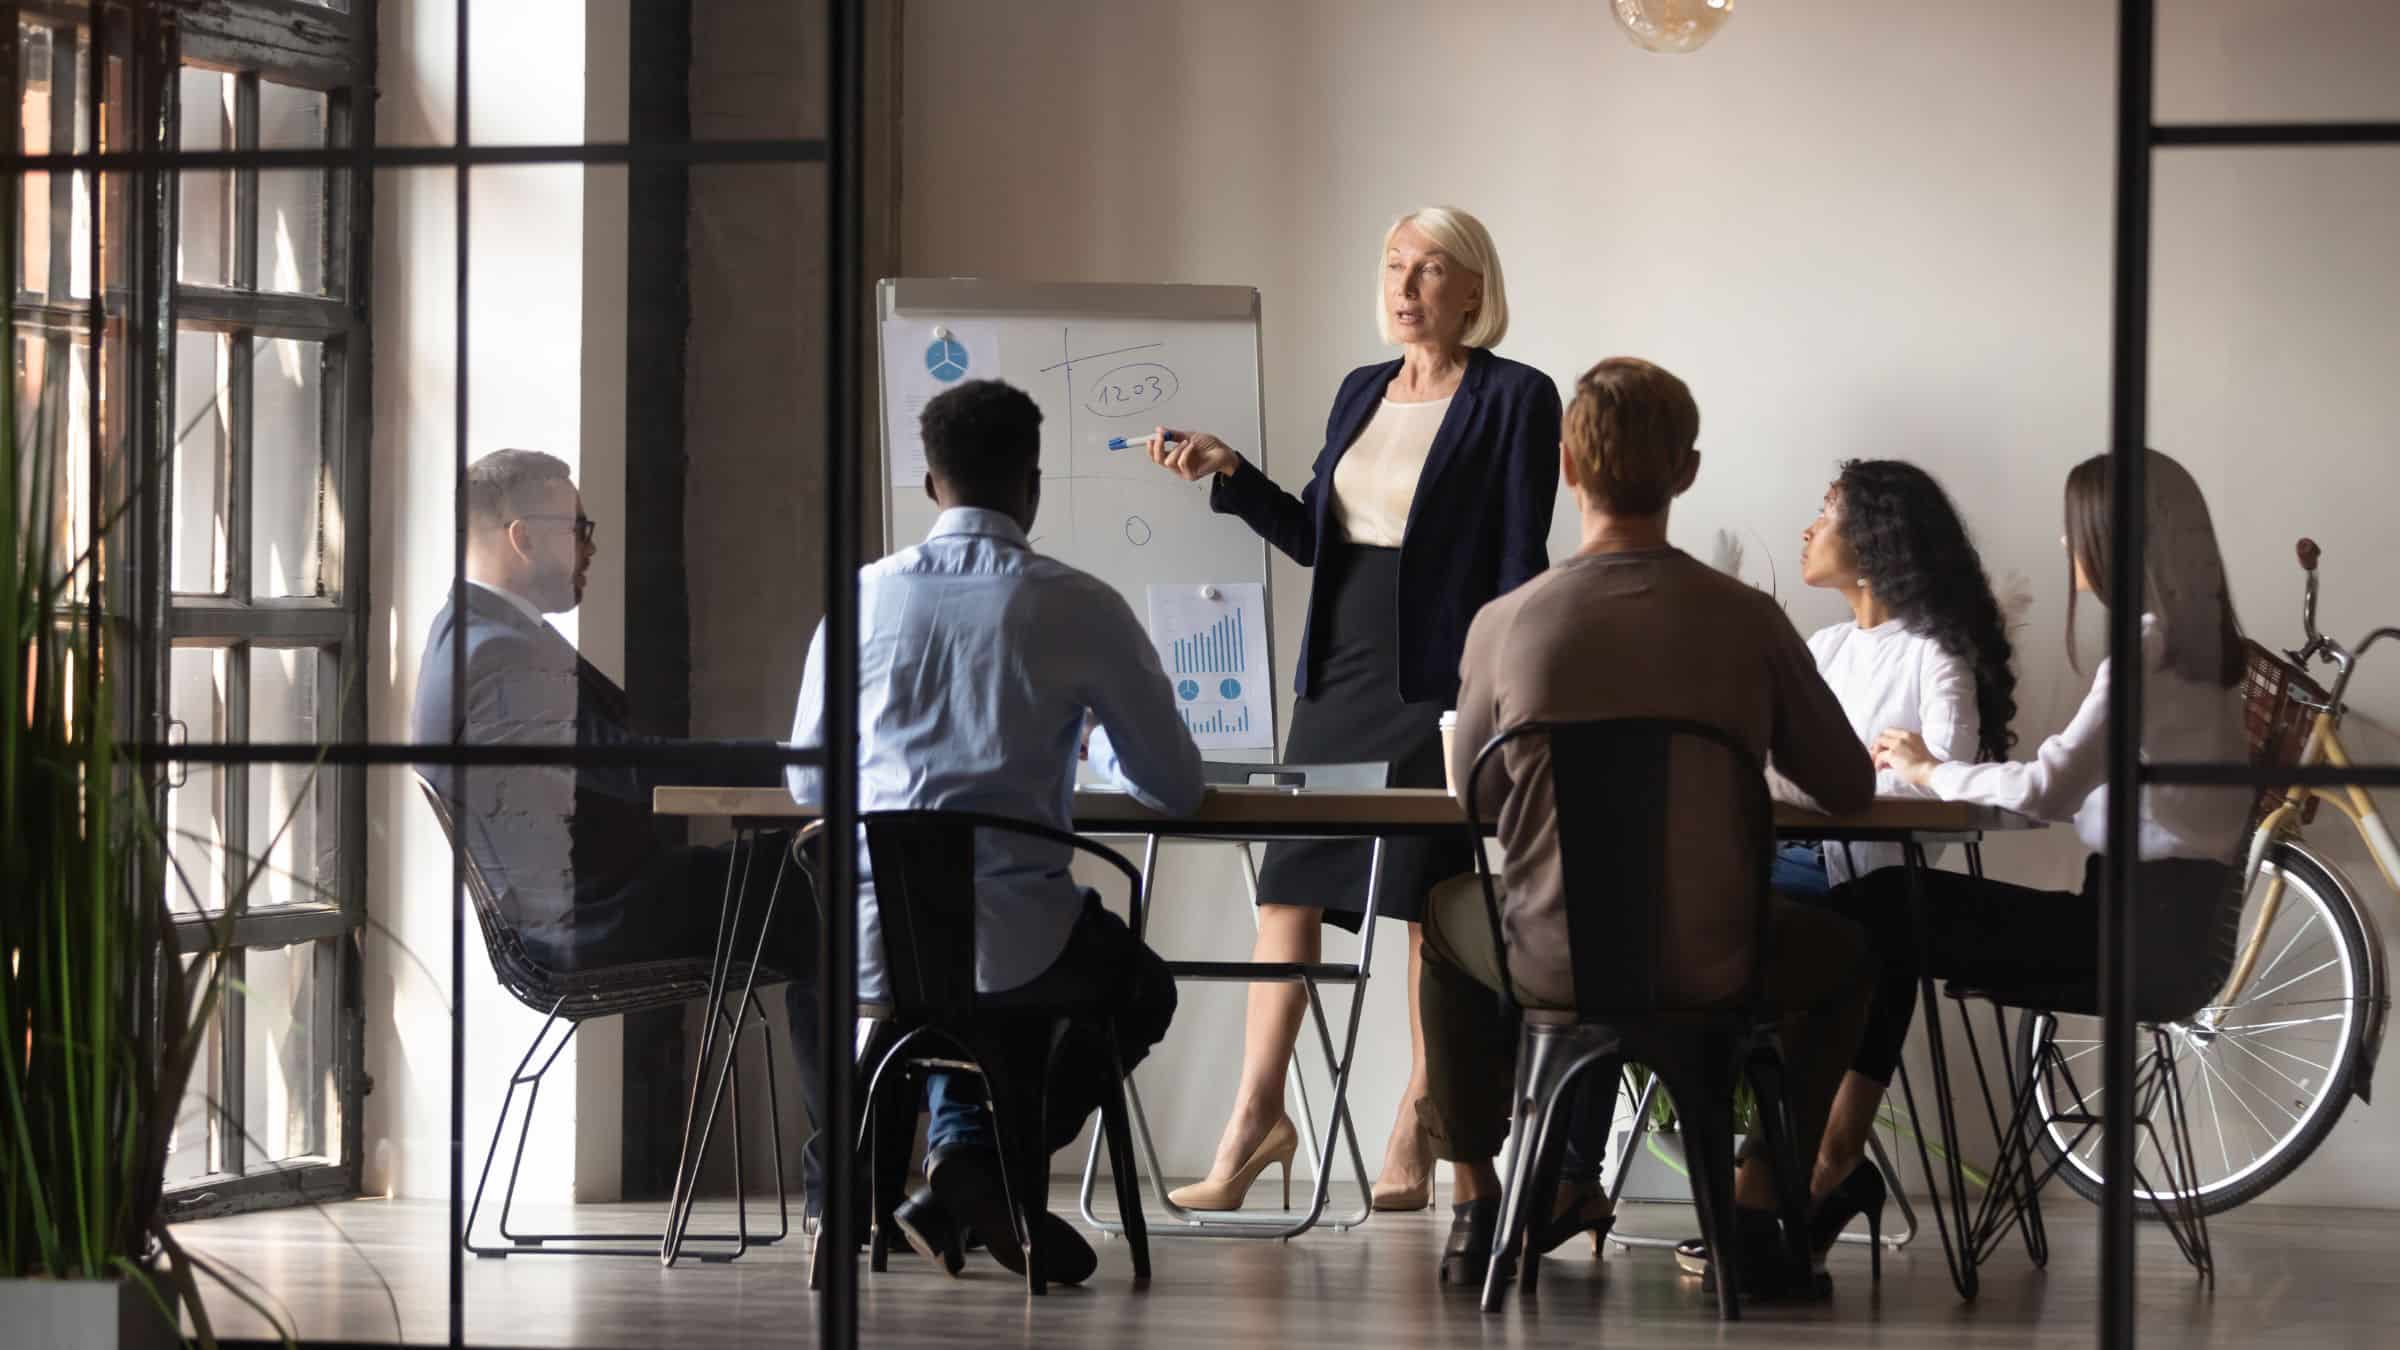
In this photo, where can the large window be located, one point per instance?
(265, 613)
(236, 429)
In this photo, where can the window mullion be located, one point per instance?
(237, 780)
(234, 1085)
(245, 185)
(237, 351)
(65, 42)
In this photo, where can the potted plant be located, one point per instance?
(99, 1023)
(1659, 1173)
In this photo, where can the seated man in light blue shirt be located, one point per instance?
(981, 664)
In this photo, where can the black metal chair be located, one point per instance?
(1615, 785)
(2171, 986)
(572, 998)
(936, 1020)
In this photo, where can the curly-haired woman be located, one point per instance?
(1926, 650)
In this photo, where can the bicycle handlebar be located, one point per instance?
(2309, 553)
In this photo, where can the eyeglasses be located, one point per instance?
(585, 526)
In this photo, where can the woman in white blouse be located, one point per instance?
(1926, 649)
(1998, 936)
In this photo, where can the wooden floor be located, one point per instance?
(2287, 1277)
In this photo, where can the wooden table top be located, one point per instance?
(1269, 811)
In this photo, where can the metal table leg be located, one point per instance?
(694, 1150)
(1278, 1223)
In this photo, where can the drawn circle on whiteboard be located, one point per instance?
(946, 359)
(1188, 690)
(1230, 689)
(1137, 531)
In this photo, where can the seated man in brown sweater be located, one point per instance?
(1629, 627)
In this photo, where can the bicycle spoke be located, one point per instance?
(2209, 1068)
(2288, 1055)
(2272, 1098)
(2301, 976)
(2208, 1089)
(2269, 1066)
(2305, 925)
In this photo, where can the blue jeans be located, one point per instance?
(1799, 872)
(955, 1113)
(1105, 970)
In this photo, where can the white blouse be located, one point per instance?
(1891, 676)
(1375, 481)
(2067, 778)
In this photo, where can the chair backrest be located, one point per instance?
(1362, 774)
(923, 862)
(533, 984)
(570, 994)
(1665, 837)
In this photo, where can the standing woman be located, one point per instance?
(1431, 498)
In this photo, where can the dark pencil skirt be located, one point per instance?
(1356, 714)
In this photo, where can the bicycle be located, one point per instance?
(2295, 1032)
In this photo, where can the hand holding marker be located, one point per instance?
(1189, 455)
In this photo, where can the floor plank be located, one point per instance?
(2287, 1276)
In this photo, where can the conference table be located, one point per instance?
(1253, 813)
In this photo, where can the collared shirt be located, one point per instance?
(978, 660)
(524, 606)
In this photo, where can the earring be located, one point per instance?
(1862, 583)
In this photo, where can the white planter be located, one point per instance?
(84, 1315)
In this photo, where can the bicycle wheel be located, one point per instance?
(2264, 1078)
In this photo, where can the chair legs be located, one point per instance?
(529, 1076)
(1538, 1086)
(1017, 1095)
(2014, 1199)
(1698, 1069)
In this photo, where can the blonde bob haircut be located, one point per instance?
(1469, 245)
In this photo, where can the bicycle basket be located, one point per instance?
(2279, 707)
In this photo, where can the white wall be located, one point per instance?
(1872, 228)
(537, 299)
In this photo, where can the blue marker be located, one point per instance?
(1135, 442)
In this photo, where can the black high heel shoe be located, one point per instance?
(1546, 1237)
(1861, 1192)
(1467, 1255)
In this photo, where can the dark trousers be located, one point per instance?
(2005, 938)
(1815, 965)
(1111, 979)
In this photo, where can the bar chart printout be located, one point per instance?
(1212, 641)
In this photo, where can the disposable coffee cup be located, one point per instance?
(1449, 735)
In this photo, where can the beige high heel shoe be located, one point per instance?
(1420, 1196)
(1275, 1150)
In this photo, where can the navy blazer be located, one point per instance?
(1478, 527)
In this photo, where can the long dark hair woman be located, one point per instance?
(1998, 936)
(1926, 648)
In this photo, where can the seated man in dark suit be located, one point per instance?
(574, 856)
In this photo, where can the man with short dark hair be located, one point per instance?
(574, 855)
(981, 663)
